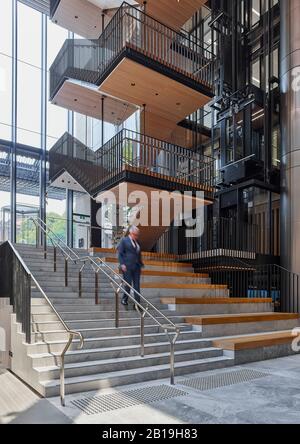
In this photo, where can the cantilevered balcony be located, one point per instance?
(130, 157)
(131, 163)
(141, 61)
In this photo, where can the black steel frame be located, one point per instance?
(15, 284)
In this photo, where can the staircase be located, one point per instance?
(111, 357)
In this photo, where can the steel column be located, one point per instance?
(290, 133)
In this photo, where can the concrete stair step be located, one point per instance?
(103, 332)
(103, 323)
(57, 345)
(134, 376)
(68, 294)
(203, 306)
(128, 363)
(110, 315)
(45, 359)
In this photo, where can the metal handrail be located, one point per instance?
(118, 287)
(71, 333)
(89, 258)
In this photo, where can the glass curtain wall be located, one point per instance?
(29, 42)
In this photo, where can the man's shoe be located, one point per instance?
(124, 302)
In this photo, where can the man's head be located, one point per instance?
(134, 232)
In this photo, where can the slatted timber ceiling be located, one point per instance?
(129, 194)
(79, 16)
(172, 13)
(84, 17)
(40, 5)
(162, 96)
(164, 129)
(88, 101)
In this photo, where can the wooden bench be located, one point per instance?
(255, 341)
(240, 318)
(214, 301)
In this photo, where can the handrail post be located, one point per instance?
(55, 260)
(172, 354)
(80, 284)
(62, 371)
(36, 235)
(143, 315)
(66, 272)
(45, 246)
(117, 309)
(96, 288)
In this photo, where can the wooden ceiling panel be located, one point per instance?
(164, 129)
(79, 16)
(172, 13)
(129, 195)
(164, 97)
(87, 101)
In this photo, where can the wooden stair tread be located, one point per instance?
(255, 341)
(184, 286)
(214, 301)
(239, 318)
(145, 253)
(152, 262)
(173, 274)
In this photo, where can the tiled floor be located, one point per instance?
(273, 398)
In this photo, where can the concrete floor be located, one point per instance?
(274, 398)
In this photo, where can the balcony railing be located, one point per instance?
(131, 152)
(220, 237)
(73, 156)
(132, 32)
(140, 153)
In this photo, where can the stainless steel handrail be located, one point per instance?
(71, 333)
(118, 287)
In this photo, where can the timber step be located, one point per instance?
(183, 286)
(173, 274)
(214, 301)
(146, 254)
(240, 318)
(115, 260)
(247, 342)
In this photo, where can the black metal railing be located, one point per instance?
(139, 152)
(15, 284)
(246, 280)
(220, 237)
(132, 30)
(73, 156)
(135, 152)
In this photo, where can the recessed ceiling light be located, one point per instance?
(133, 84)
(76, 16)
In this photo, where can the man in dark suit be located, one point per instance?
(130, 259)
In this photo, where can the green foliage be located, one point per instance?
(26, 233)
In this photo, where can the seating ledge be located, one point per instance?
(255, 341)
